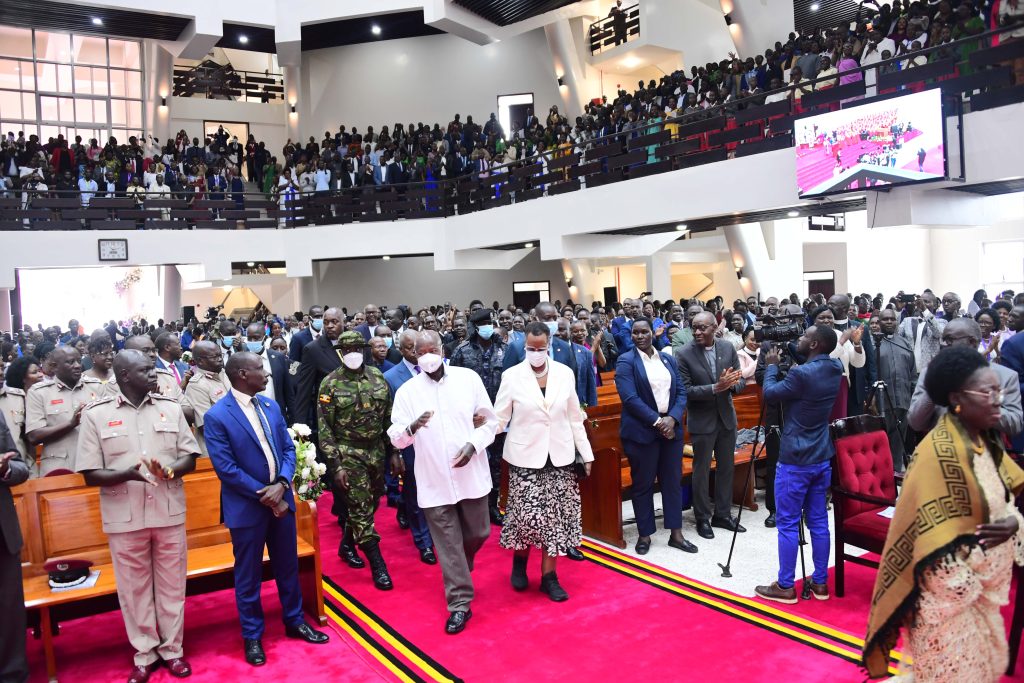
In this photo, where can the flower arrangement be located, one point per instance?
(308, 471)
(125, 283)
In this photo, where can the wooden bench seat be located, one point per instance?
(60, 518)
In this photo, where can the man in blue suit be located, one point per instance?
(168, 354)
(1012, 356)
(586, 377)
(561, 351)
(622, 326)
(396, 377)
(254, 457)
(307, 335)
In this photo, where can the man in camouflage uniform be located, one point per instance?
(354, 411)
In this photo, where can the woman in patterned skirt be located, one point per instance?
(537, 401)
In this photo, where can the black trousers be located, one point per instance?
(13, 660)
(722, 443)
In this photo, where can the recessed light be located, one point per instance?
(250, 263)
(244, 40)
(528, 245)
(386, 258)
(681, 227)
(96, 21)
(375, 30)
(814, 7)
(793, 214)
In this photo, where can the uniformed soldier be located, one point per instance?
(53, 410)
(12, 405)
(167, 384)
(136, 445)
(208, 385)
(354, 408)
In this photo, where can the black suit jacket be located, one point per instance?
(704, 408)
(319, 358)
(299, 341)
(347, 181)
(10, 529)
(279, 378)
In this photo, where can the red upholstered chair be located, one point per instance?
(863, 485)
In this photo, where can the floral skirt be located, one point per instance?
(543, 510)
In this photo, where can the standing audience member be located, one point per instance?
(13, 471)
(897, 369)
(208, 384)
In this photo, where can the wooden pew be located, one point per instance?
(602, 492)
(60, 518)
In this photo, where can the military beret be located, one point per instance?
(351, 338)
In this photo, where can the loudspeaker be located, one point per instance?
(187, 313)
(611, 295)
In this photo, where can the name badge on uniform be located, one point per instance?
(115, 423)
(324, 398)
(218, 392)
(56, 401)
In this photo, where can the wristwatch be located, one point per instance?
(168, 472)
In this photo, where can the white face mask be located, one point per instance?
(537, 358)
(429, 362)
(353, 360)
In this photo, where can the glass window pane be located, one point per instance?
(28, 105)
(135, 114)
(120, 134)
(49, 108)
(118, 113)
(28, 75)
(83, 80)
(66, 108)
(134, 82)
(53, 47)
(64, 80)
(100, 111)
(125, 53)
(90, 50)
(47, 132)
(46, 74)
(83, 111)
(99, 81)
(15, 42)
(10, 77)
(10, 104)
(117, 83)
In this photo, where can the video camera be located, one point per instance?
(779, 329)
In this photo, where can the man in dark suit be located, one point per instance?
(861, 379)
(168, 353)
(622, 325)
(274, 363)
(710, 370)
(586, 378)
(349, 176)
(254, 457)
(561, 351)
(13, 471)
(305, 336)
(319, 359)
(368, 328)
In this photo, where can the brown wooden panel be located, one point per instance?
(71, 522)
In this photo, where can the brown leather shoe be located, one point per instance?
(777, 593)
(140, 674)
(179, 668)
(819, 590)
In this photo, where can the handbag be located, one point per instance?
(579, 468)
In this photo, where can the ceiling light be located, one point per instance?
(528, 245)
(375, 30)
(96, 21)
(250, 263)
(793, 214)
(681, 227)
(386, 258)
(814, 7)
(243, 39)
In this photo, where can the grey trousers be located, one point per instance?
(459, 531)
(722, 442)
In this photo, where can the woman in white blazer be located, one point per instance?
(537, 402)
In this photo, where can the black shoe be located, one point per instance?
(729, 523)
(457, 621)
(497, 516)
(574, 554)
(682, 544)
(519, 580)
(403, 521)
(392, 503)
(378, 570)
(704, 529)
(642, 545)
(307, 633)
(427, 556)
(347, 552)
(254, 653)
(549, 584)
(770, 521)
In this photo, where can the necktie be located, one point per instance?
(417, 369)
(270, 435)
(174, 369)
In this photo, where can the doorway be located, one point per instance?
(232, 128)
(512, 111)
(526, 295)
(820, 282)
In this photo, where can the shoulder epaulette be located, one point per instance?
(99, 401)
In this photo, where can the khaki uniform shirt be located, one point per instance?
(169, 385)
(51, 403)
(203, 390)
(116, 435)
(12, 405)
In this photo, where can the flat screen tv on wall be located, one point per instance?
(892, 142)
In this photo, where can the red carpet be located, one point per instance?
(616, 618)
(815, 167)
(96, 649)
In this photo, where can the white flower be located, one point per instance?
(321, 468)
(303, 489)
(301, 429)
(305, 473)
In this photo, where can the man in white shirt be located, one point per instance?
(87, 186)
(873, 50)
(434, 411)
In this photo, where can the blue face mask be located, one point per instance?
(317, 324)
(389, 342)
(228, 341)
(254, 346)
(552, 327)
(485, 331)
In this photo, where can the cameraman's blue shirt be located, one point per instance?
(807, 395)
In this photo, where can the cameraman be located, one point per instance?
(807, 395)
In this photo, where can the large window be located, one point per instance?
(59, 83)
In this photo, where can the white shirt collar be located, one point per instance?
(243, 399)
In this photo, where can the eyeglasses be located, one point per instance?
(994, 395)
(950, 301)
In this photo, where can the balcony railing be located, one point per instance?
(744, 127)
(615, 30)
(222, 82)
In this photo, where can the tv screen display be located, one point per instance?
(896, 141)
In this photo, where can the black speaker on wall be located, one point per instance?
(187, 313)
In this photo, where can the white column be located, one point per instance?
(659, 275)
(292, 76)
(309, 291)
(170, 281)
(5, 310)
(159, 86)
(566, 65)
(750, 254)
